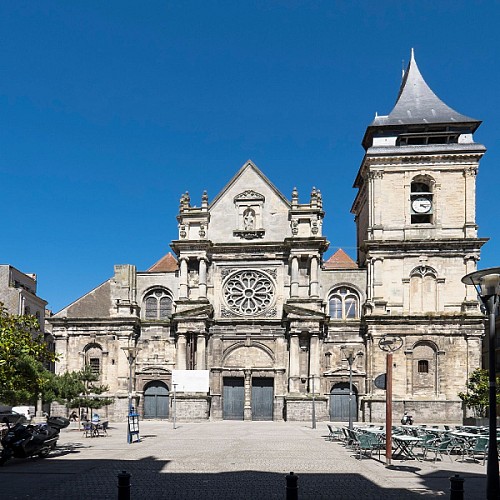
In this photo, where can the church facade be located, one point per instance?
(248, 300)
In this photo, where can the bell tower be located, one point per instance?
(417, 236)
(415, 207)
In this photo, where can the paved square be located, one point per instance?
(226, 461)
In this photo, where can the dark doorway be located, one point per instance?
(156, 400)
(262, 398)
(233, 398)
(339, 403)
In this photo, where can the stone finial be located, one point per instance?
(295, 197)
(314, 198)
(320, 199)
(204, 200)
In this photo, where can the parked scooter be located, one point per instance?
(23, 441)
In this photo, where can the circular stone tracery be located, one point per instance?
(249, 292)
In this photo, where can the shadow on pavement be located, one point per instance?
(50, 478)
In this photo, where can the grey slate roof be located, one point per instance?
(417, 104)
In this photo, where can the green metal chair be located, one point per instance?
(334, 433)
(480, 447)
(365, 444)
(438, 447)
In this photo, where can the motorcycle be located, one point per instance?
(23, 441)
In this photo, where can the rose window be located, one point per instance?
(249, 292)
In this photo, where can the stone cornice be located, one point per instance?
(416, 247)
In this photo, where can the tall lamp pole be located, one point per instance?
(350, 357)
(313, 405)
(131, 353)
(175, 404)
(487, 284)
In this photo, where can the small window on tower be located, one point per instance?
(423, 366)
(95, 365)
(421, 203)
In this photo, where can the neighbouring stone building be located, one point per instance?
(18, 293)
(249, 298)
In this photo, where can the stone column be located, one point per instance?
(181, 363)
(183, 279)
(314, 370)
(409, 372)
(200, 352)
(203, 278)
(294, 284)
(470, 202)
(313, 282)
(248, 395)
(294, 364)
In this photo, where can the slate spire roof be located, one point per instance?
(418, 104)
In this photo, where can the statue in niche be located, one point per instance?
(248, 219)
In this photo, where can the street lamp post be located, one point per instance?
(350, 357)
(131, 353)
(313, 405)
(174, 405)
(487, 284)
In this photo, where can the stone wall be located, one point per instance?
(423, 412)
(300, 409)
(190, 408)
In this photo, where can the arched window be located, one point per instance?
(93, 358)
(421, 201)
(343, 303)
(157, 305)
(423, 290)
(424, 368)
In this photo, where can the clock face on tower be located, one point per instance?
(421, 205)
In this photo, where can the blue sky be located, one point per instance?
(109, 111)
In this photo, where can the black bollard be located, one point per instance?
(124, 486)
(456, 487)
(292, 490)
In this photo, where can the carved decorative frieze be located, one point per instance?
(249, 234)
(249, 194)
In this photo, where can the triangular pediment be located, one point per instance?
(244, 174)
(250, 207)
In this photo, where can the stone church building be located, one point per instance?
(247, 297)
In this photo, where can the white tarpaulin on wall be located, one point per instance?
(190, 380)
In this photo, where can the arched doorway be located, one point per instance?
(339, 403)
(156, 400)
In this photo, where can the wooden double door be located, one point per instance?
(262, 399)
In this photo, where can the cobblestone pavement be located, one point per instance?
(226, 461)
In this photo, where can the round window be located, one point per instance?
(249, 292)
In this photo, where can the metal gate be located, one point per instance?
(156, 400)
(262, 398)
(339, 403)
(233, 399)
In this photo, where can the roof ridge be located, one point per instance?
(168, 263)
